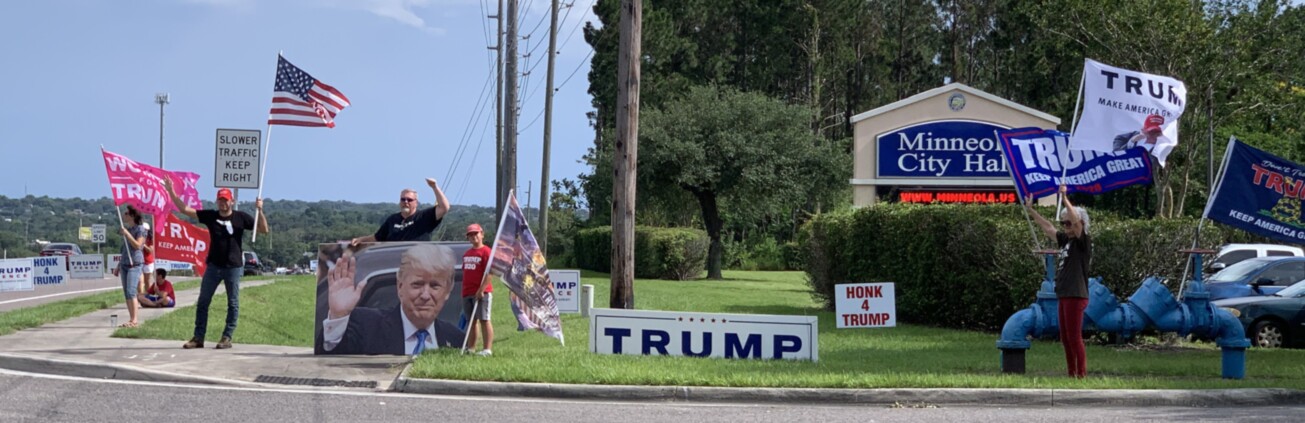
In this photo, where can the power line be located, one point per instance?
(574, 28)
(532, 121)
(467, 132)
(577, 69)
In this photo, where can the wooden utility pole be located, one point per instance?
(510, 102)
(499, 193)
(626, 155)
(548, 134)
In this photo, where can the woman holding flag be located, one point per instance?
(133, 260)
(1071, 276)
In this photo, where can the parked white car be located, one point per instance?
(1232, 253)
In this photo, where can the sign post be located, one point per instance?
(97, 235)
(236, 160)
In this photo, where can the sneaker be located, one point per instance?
(194, 343)
(485, 353)
(224, 343)
(467, 351)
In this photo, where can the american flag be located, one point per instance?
(301, 100)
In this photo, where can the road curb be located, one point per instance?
(889, 397)
(30, 364)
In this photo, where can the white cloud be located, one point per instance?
(404, 11)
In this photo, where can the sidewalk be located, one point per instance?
(84, 346)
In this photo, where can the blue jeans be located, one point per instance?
(212, 275)
(130, 277)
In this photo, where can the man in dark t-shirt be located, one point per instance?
(409, 224)
(225, 261)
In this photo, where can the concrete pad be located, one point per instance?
(84, 346)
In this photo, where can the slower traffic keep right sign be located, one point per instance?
(865, 305)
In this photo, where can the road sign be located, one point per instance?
(84, 233)
(97, 233)
(236, 159)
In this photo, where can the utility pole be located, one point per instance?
(626, 154)
(499, 192)
(510, 100)
(162, 99)
(548, 133)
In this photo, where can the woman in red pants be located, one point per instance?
(1071, 276)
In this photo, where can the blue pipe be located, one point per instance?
(1151, 306)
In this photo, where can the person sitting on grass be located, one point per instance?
(159, 294)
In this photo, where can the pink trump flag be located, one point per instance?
(141, 186)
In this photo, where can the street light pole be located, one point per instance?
(161, 99)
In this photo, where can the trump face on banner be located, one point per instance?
(422, 283)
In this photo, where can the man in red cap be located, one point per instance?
(1152, 129)
(226, 229)
(476, 301)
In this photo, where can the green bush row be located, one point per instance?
(659, 253)
(972, 266)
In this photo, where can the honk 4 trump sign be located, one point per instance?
(865, 305)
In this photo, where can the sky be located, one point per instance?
(79, 74)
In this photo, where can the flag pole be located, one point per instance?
(1073, 131)
(117, 207)
(498, 231)
(1010, 170)
(1205, 215)
(262, 169)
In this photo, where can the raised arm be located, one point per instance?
(1071, 214)
(261, 224)
(1046, 226)
(441, 202)
(176, 201)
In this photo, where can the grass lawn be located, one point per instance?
(901, 357)
(280, 313)
(905, 356)
(30, 317)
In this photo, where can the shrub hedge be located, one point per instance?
(972, 266)
(659, 253)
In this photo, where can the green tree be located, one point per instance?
(738, 154)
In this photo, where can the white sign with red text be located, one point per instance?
(865, 305)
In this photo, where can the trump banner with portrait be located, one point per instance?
(387, 298)
(518, 260)
(1123, 109)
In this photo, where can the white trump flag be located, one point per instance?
(1125, 109)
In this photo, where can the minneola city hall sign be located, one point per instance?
(938, 146)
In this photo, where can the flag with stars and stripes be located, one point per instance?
(301, 100)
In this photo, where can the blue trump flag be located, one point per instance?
(1035, 157)
(1259, 193)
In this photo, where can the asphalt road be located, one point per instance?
(71, 288)
(32, 398)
